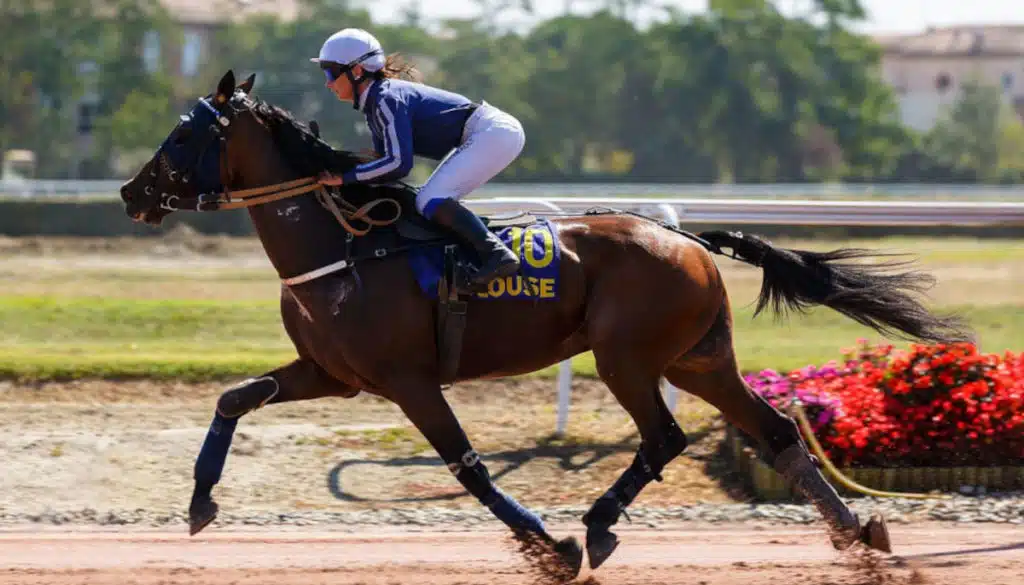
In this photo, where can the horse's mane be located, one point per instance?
(309, 155)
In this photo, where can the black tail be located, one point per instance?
(799, 279)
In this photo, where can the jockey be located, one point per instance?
(474, 142)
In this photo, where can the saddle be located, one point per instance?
(411, 231)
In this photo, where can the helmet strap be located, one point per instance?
(355, 87)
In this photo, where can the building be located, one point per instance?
(198, 21)
(927, 69)
(182, 54)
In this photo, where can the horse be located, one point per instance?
(644, 296)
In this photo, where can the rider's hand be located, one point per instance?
(329, 179)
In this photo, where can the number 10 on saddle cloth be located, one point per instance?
(539, 253)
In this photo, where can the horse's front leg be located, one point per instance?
(427, 409)
(302, 379)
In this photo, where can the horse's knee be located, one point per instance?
(247, 396)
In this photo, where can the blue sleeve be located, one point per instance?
(397, 160)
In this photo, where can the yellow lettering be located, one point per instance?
(514, 286)
(547, 288)
(548, 246)
(534, 286)
(496, 287)
(517, 241)
(518, 286)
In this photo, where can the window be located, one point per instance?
(151, 51)
(86, 118)
(191, 52)
(1007, 81)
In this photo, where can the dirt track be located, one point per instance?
(713, 556)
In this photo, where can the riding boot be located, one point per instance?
(496, 259)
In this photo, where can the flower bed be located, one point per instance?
(927, 408)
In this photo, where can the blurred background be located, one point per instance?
(733, 91)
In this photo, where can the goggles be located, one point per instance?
(333, 70)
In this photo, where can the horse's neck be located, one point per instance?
(298, 234)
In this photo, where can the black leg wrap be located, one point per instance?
(473, 475)
(646, 467)
(777, 440)
(247, 396)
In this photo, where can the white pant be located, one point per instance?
(491, 140)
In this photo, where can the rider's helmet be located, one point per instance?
(344, 50)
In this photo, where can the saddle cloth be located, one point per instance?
(539, 253)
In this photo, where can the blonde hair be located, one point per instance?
(395, 66)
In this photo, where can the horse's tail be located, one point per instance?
(798, 279)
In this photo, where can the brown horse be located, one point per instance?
(645, 297)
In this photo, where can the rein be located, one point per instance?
(342, 210)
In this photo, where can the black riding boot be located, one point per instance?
(496, 260)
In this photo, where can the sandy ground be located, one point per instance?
(712, 556)
(95, 445)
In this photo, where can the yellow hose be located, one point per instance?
(805, 426)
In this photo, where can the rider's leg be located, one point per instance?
(493, 139)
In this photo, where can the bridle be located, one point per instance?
(214, 134)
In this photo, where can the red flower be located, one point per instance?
(926, 406)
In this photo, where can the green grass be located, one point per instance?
(51, 338)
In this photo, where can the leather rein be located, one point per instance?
(342, 210)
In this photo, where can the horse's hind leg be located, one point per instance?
(709, 371)
(634, 380)
(301, 379)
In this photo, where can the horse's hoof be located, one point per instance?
(554, 561)
(200, 514)
(572, 554)
(875, 534)
(601, 543)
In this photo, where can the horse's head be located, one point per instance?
(228, 140)
(189, 162)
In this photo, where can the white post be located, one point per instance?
(671, 394)
(564, 389)
(669, 214)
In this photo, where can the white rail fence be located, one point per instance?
(1004, 207)
(107, 189)
(674, 211)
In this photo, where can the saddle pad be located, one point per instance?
(539, 254)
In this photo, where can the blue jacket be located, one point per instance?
(406, 119)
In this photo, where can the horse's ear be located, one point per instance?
(315, 127)
(246, 86)
(226, 88)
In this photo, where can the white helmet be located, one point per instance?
(350, 47)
